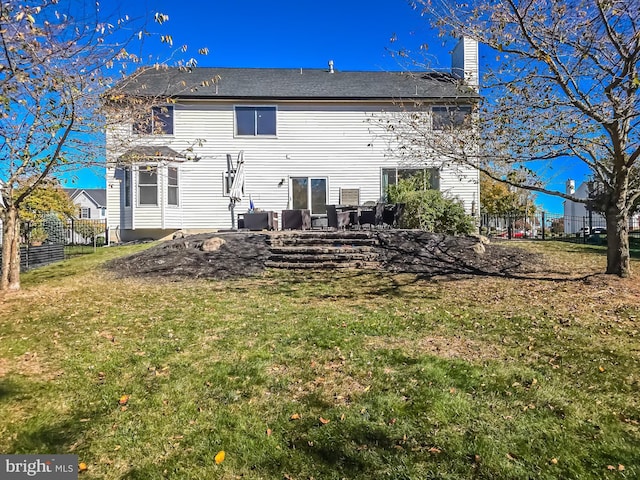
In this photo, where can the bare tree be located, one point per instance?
(56, 63)
(564, 86)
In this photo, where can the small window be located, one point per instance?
(255, 121)
(172, 186)
(159, 122)
(84, 212)
(446, 118)
(148, 185)
(227, 181)
(126, 185)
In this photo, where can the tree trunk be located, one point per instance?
(618, 260)
(10, 279)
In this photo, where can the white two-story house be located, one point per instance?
(309, 138)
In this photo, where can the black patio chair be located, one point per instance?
(367, 216)
(398, 211)
(336, 219)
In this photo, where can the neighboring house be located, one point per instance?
(307, 135)
(91, 202)
(578, 219)
(90, 216)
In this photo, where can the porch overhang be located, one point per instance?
(150, 154)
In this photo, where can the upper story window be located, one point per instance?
(148, 185)
(84, 212)
(255, 121)
(446, 118)
(159, 122)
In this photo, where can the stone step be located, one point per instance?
(319, 241)
(321, 249)
(331, 234)
(322, 258)
(324, 265)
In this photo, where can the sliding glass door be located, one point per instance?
(309, 193)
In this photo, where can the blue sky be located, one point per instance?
(355, 34)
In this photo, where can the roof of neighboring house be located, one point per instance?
(96, 195)
(294, 84)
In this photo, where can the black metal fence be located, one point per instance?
(546, 226)
(34, 257)
(49, 239)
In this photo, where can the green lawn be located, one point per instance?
(327, 375)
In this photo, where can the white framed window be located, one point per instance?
(255, 121)
(84, 212)
(428, 178)
(148, 185)
(172, 186)
(227, 181)
(158, 122)
(126, 185)
(450, 117)
(309, 193)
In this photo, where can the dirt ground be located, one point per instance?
(238, 254)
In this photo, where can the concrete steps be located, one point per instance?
(323, 250)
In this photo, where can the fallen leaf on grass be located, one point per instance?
(82, 467)
(219, 458)
(601, 369)
(553, 461)
(435, 450)
(124, 399)
(324, 421)
(295, 416)
(269, 432)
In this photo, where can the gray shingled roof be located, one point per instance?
(98, 195)
(303, 84)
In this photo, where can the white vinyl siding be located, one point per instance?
(329, 140)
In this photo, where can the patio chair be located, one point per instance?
(398, 211)
(367, 216)
(296, 219)
(336, 219)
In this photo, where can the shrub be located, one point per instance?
(429, 210)
(54, 227)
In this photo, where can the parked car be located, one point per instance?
(514, 234)
(586, 231)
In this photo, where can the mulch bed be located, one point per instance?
(245, 254)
